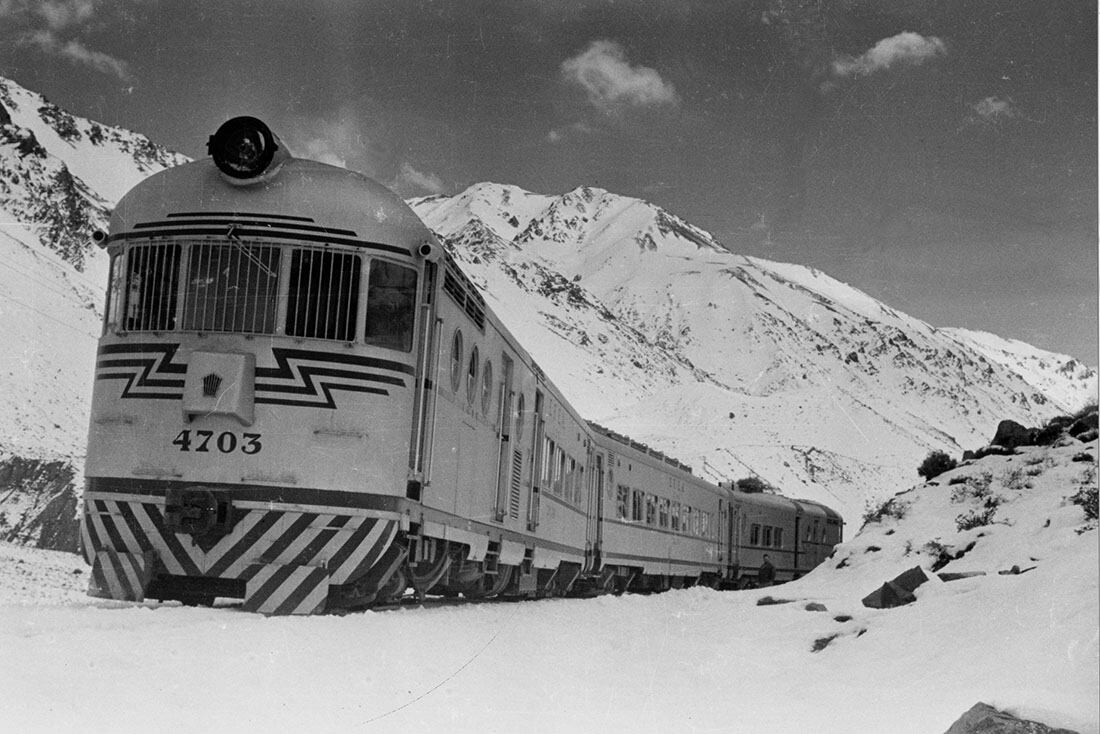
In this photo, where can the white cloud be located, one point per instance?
(409, 176)
(60, 14)
(993, 109)
(903, 49)
(608, 79)
(78, 53)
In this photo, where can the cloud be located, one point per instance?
(905, 49)
(78, 53)
(50, 24)
(994, 109)
(610, 81)
(409, 176)
(60, 14)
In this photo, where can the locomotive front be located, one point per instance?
(258, 407)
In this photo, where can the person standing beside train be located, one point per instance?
(766, 575)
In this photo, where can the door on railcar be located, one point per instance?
(427, 359)
(538, 430)
(507, 456)
(594, 516)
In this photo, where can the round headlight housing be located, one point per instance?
(243, 148)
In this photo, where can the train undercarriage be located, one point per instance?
(196, 545)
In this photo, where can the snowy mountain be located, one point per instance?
(59, 177)
(734, 364)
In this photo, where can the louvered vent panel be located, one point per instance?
(517, 473)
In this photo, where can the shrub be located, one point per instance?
(1013, 479)
(892, 507)
(936, 463)
(1086, 499)
(976, 487)
(975, 519)
(979, 517)
(754, 484)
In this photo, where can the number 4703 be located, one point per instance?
(226, 442)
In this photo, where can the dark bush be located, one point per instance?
(936, 463)
(1086, 497)
(754, 484)
(892, 507)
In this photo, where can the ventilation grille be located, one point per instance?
(231, 288)
(517, 473)
(151, 282)
(462, 291)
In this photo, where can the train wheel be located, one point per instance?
(423, 576)
(394, 588)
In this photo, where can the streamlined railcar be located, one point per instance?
(301, 402)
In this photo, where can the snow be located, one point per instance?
(689, 660)
(51, 313)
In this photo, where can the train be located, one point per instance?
(303, 404)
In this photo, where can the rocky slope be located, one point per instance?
(59, 177)
(736, 364)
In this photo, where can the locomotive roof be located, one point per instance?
(334, 197)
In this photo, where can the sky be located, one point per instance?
(941, 156)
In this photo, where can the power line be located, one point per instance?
(46, 315)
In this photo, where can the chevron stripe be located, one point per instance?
(242, 542)
(365, 553)
(285, 589)
(89, 541)
(119, 575)
(179, 559)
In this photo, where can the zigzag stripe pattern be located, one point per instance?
(150, 372)
(307, 392)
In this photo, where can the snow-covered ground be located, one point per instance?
(684, 661)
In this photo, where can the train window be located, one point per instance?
(547, 462)
(391, 306)
(456, 360)
(650, 510)
(471, 374)
(110, 308)
(233, 287)
(704, 524)
(754, 535)
(685, 519)
(662, 513)
(487, 387)
(778, 539)
(323, 295)
(519, 419)
(559, 474)
(674, 517)
(152, 275)
(809, 533)
(767, 537)
(578, 486)
(622, 501)
(638, 500)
